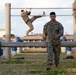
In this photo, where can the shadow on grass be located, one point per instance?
(13, 61)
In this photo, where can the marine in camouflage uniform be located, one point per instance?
(28, 21)
(52, 32)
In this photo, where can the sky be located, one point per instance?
(20, 28)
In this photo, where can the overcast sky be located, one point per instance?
(18, 25)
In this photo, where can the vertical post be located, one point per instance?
(7, 27)
(74, 19)
(74, 26)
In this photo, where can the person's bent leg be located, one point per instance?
(31, 27)
(37, 16)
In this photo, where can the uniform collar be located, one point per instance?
(53, 22)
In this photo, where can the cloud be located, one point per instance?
(68, 26)
(2, 25)
(67, 4)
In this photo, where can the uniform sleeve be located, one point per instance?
(61, 30)
(44, 33)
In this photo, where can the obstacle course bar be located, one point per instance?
(35, 44)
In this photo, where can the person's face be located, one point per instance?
(52, 17)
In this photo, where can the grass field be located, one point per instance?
(35, 64)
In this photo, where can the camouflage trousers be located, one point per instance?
(53, 53)
(29, 23)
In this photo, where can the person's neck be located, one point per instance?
(53, 21)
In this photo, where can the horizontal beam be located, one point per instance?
(35, 44)
(47, 8)
(45, 15)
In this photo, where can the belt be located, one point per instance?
(27, 20)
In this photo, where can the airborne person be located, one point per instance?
(27, 20)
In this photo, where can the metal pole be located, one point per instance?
(74, 19)
(7, 27)
(46, 8)
(74, 26)
(46, 15)
(36, 44)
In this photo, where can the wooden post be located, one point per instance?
(7, 27)
(74, 26)
(74, 19)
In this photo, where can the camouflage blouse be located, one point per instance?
(50, 30)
